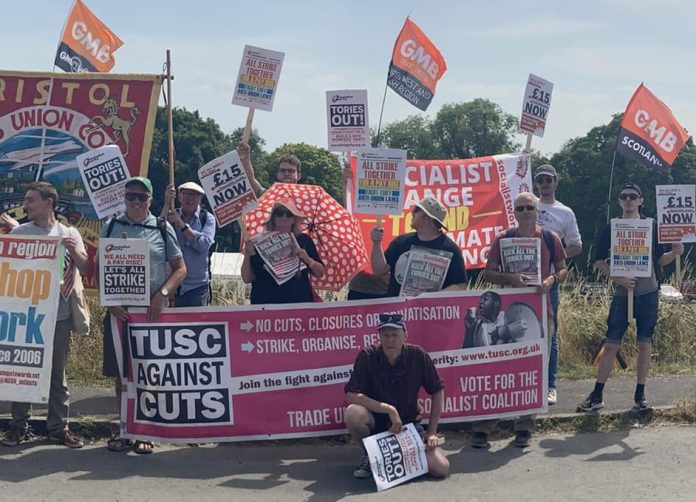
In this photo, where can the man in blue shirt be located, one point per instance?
(195, 231)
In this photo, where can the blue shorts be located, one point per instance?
(644, 312)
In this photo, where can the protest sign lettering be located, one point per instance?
(257, 81)
(649, 133)
(535, 106)
(30, 274)
(631, 247)
(522, 255)
(396, 458)
(425, 270)
(104, 174)
(278, 250)
(293, 361)
(347, 120)
(478, 194)
(227, 188)
(379, 184)
(124, 272)
(676, 213)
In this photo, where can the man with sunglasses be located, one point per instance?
(382, 393)
(167, 271)
(559, 218)
(428, 220)
(289, 169)
(645, 292)
(526, 208)
(195, 232)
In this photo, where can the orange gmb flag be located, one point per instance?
(416, 66)
(649, 132)
(87, 44)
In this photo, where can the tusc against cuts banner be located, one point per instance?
(30, 274)
(279, 371)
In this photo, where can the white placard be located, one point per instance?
(535, 106)
(347, 120)
(257, 81)
(124, 272)
(380, 179)
(104, 174)
(676, 213)
(631, 247)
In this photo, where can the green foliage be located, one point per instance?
(412, 134)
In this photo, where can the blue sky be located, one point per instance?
(595, 52)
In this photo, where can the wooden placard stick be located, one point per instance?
(629, 292)
(247, 128)
(170, 124)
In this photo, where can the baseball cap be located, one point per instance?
(194, 187)
(391, 320)
(546, 169)
(632, 186)
(143, 181)
(433, 208)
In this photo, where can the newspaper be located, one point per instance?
(425, 270)
(278, 250)
(522, 255)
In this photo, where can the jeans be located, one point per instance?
(644, 312)
(553, 352)
(198, 297)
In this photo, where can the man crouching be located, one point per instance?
(382, 392)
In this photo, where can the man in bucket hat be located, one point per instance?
(428, 220)
(382, 393)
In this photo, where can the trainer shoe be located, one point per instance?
(641, 405)
(552, 397)
(15, 436)
(522, 439)
(590, 404)
(363, 471)
(67, 438)
(480, 440)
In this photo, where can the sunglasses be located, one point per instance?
(544, 179)
(415, 210)
(629, 196)
(282, 212)
(140, 197)
(519, 209)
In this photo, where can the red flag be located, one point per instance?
(649, 132)
(87, 44)
(416, 66)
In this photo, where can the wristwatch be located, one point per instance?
(164, 292)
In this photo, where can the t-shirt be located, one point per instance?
(396, 256)
(58, 229)
(158, 262)
(399, 384)
(643, 284)
(561, 219)
(559, 254)
(264, 288)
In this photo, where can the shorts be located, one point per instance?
(644, 312)
(382, 424)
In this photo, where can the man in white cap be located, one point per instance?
(195, 231)
(428, 221)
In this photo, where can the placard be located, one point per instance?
(396, 458)
(104, 173)
(347, 120)
(631, 247)
(257, 81)
(124, 272)
(380, 180)
(535, 106)
(426, 270)
(676, 213)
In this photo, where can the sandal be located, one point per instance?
(143, 447)
(119, 444)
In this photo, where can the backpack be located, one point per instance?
(161, 226)
(548, 241)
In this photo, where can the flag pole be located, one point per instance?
(611, 180)
(170, 120)
(381, 113)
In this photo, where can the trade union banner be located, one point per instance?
(478, 194)
(48, 119)
(87, 44)
(30, 274)
(278, 371)
(649, 133)
(416, 66)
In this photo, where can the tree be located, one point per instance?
(474, 129)
(412, 134)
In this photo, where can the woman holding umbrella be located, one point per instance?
(285, 217)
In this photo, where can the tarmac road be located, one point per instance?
(655, 463)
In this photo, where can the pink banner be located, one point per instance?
(241, 373)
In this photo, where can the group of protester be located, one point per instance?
(382, 391)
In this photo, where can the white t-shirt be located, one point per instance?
(560, 219)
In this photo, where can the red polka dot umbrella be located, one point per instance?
(333, 229)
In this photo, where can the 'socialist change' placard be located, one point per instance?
(104, 173)
(347, 120)
(631, 243)
(257, 81)
(227, 188)
(536, 104)
(379, 184)
(30, 273)
(124, 272)
(676, 213)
